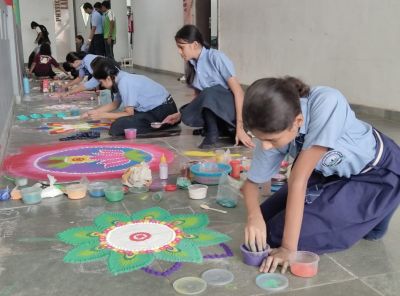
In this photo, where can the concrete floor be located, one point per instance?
(31, 257)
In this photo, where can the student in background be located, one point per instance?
(82, 63)
(143, 100)
(219, 101)
(41, 37)
(43, 63)
(109, 29)
(95, 39)
(80, 44)
(345, 181)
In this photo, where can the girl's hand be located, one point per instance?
(95, 115)
(85, 115)
(255, 234)
(172, 119)
(279, 256)
(243, 137)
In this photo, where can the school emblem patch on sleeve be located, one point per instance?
(332, 158)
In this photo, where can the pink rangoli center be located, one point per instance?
(139, 236)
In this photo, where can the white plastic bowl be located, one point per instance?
(198, 191)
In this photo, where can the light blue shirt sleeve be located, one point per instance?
(265, 163)
(224, 65)
(328, 114)
(91, 83)
(97, 21)
(128, 95)
(81, 72)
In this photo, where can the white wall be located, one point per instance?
(156, 23)
(352, 45)
(65, 33)
(42, 12)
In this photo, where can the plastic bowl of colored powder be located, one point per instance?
(96, 189)
(114, 193)
(76, 191)
(304, 264)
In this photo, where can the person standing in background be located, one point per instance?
(96, 39)
(109, 29)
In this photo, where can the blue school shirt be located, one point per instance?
(97, 21)
(212, 68)
(139, 92)
(328, 122)
(85, 65)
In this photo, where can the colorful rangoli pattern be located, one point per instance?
(132, 243)
(56, 128)
(69, 161)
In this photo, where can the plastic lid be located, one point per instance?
(190, 285)
(163, 159)
(272, 282)
(217, 277)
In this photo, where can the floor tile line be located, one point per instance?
(340, 265)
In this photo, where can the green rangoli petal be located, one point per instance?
(86, 253)
(206, 237)
(79, 235)
(108, 219)
(189, 221)
(185, 251)
(119, 263)
(155, 213)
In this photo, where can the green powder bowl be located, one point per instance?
(114, 193)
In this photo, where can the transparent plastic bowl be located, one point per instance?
(209, 173)
(76, 191)
(96, 189)
(31, 195)
(114, 193)
(304, 264)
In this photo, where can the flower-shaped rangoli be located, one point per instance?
(134, 242)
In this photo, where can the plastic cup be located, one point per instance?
(21, 181)
(96, 189)
(227, 196)
(253, 258)
(31, 195)
(219, 155)
(114, 193)
(130, 133)
(304, 264)
(76, 191)
(198, 191)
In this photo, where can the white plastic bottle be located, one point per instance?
(163, 168)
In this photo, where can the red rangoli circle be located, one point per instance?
(139, 236)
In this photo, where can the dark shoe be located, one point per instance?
(208, 142)
(199, 132)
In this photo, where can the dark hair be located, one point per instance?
(45, 49)
(80, 37)
(34, 25)
(97, 5)
(74, 56)
(106, 4)
(190, 34)
(272, 104)
(87, 5)
(104, 67)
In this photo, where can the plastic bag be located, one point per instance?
(228, 191)
(52, 190)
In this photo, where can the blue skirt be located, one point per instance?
(216, 98)
(340, 211)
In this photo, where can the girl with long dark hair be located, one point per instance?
(219, 102)
(345, 181)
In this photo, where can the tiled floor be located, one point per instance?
(31, 257)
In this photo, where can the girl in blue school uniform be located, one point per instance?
(143, 100)
(81, 62)
(345, 180)
(219, 101)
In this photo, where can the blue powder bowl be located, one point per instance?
(96, 189)
(31, 195)
(209, 173)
